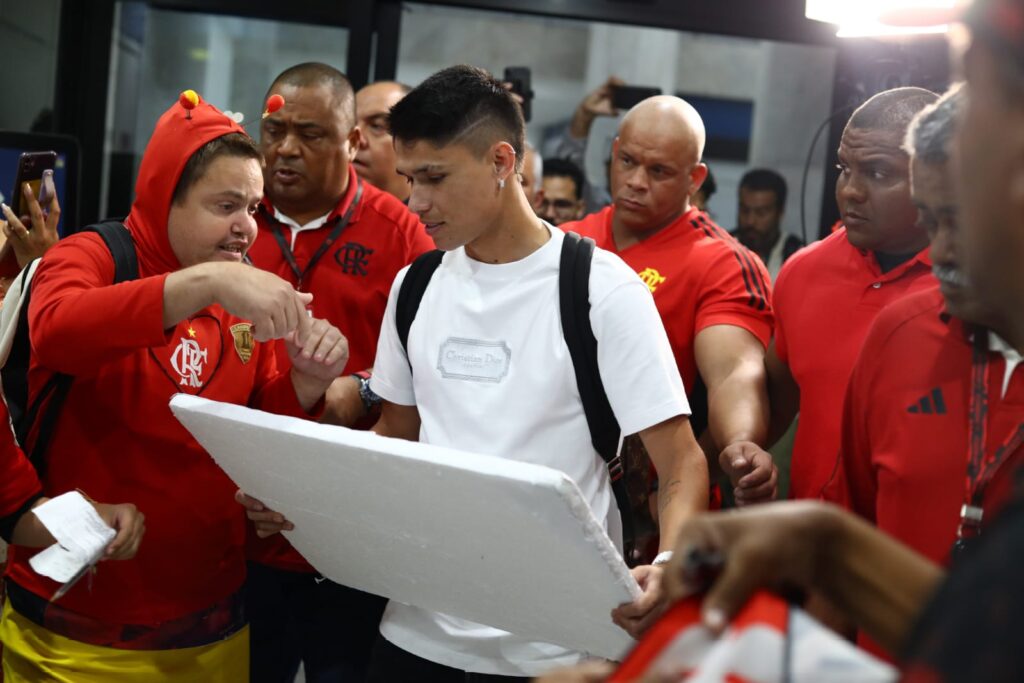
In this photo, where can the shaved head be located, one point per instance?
(892, 110)
(656, 167)
(314, 74)
(873, 188)
(375, 161)
(400, 90)
(670, 117)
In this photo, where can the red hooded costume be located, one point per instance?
(116, 438)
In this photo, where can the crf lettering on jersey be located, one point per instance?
(188, 360)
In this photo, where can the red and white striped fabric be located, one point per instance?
(767, 642)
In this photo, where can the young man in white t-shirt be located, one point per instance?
(459, 139)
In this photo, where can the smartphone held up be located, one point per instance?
(35, 169)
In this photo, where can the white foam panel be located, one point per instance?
(504, 543)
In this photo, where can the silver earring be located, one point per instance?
(501, 183)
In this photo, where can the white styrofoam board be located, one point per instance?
(504, 543)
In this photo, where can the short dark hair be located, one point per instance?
(766, 180)
(892, 110)
(461, 103)
(310, 74)
(237, 145)
(567, 169)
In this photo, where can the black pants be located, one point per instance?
(392, 664)
(295, 618)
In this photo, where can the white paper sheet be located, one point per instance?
(508, 544)
(81, 536)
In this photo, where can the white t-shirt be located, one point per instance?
(491, 373)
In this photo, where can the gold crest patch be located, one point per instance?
(244, 343)
(651, 278)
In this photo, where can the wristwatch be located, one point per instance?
(366, 394)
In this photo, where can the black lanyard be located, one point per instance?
(981, 466)
(340, 225)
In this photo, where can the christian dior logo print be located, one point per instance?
(353, 258)
(188, 360)
(474, 360)
(652, 278)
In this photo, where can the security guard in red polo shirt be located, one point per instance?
(828, 294)
(327, 232)
(930, 430)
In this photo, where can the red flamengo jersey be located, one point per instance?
(826, 297)
(350, 284)
(906, 424)
(700, 276)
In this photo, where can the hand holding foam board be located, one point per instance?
(504, 543)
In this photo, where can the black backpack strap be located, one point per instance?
(45, 409)
(574, 304)
(411, 293)
(122, 248)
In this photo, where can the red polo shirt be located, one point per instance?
(699, 275)
(906, 424)
(350, 284)
(826, 298)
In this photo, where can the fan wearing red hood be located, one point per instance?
(194, 321)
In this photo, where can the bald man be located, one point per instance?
(375, 160)
(828, 295)
(713, 295)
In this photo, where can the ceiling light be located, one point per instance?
(884, 17)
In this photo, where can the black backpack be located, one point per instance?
(40, 417)
(574, 304)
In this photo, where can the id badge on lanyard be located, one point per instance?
(340, 225)
(981, 466)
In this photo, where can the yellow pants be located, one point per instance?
(32, 654)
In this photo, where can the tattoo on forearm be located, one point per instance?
(666, 493)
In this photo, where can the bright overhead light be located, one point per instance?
(884, 17)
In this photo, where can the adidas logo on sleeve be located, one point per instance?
(930, 404)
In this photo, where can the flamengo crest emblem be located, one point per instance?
(187, 360)
(242, 334)
(651, 278)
